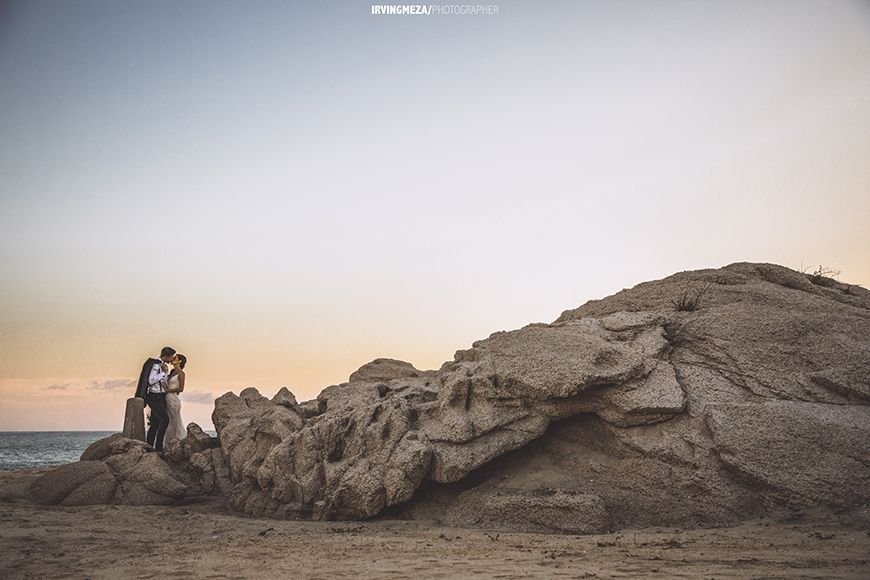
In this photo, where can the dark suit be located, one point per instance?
(157, 403)
(142, 387)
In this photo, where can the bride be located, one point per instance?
(175, 385)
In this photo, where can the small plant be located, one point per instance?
(821, 273)
(690, 299)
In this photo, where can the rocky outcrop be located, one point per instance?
(751, 398)
(115, 470)
(704, 398)
(124, 471)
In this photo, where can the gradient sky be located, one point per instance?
(284, 190)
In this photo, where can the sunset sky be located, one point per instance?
(284, 191)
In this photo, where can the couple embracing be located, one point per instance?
(159, 384)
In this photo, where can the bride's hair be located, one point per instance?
(182, 361)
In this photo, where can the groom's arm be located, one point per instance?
(157, 375)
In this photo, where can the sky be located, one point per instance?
(284, 191)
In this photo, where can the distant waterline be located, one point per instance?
(31, 449)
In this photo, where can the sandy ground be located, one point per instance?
(202, 541)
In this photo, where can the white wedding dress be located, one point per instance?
(176, 429)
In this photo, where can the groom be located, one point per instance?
(152, 388)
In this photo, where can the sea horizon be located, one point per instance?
(41, 449)
(74, 431)
(59, 431)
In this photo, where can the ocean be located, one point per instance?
(30, 449)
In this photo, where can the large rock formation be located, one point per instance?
(704, 398)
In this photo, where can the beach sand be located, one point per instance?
(202, 540)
